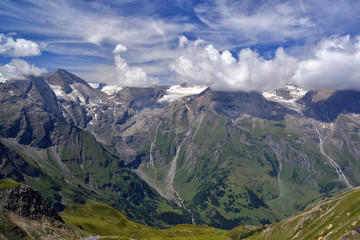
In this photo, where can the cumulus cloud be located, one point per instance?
(19, 69)
(335, 64)
(18, 47)
(130, 76)
(202, 64)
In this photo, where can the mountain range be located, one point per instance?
(182, 154)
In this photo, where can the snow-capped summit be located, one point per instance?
(178, 91)
(287, 96)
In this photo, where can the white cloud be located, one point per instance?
(256, 21)
(74, 30)
(335, 64)
(130, 76)
(18, 48)
(19, 69)
(183, 41)
(202, 64)
(150, 39)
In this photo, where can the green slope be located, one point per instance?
(333, 218)
(100, 219)
(245, 171)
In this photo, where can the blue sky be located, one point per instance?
(228, 45)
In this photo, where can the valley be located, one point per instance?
(31, 217)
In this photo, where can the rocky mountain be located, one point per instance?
(42, 146)
(221, 159)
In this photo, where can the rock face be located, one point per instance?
(20, 100)
(26, 202)
(326, 105)
(235, 104)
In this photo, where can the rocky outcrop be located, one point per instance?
(25, 214)
(26, 202)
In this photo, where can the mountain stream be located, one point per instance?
(169, 180)
(331, 161)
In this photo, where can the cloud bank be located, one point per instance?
(18, 48)
(333, 63)
(19, 69)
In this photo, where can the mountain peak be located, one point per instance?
(60, 70)
(64, 79)
(68, 86)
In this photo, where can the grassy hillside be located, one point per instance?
(100, 219)
(331, 219)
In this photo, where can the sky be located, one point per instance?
(229, 45)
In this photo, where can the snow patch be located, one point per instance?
(3, 78)
(75, 95)
(108, 89)
(60, 94)
(111, 89)
(177, 91)
(80, 93)
(94, 85)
